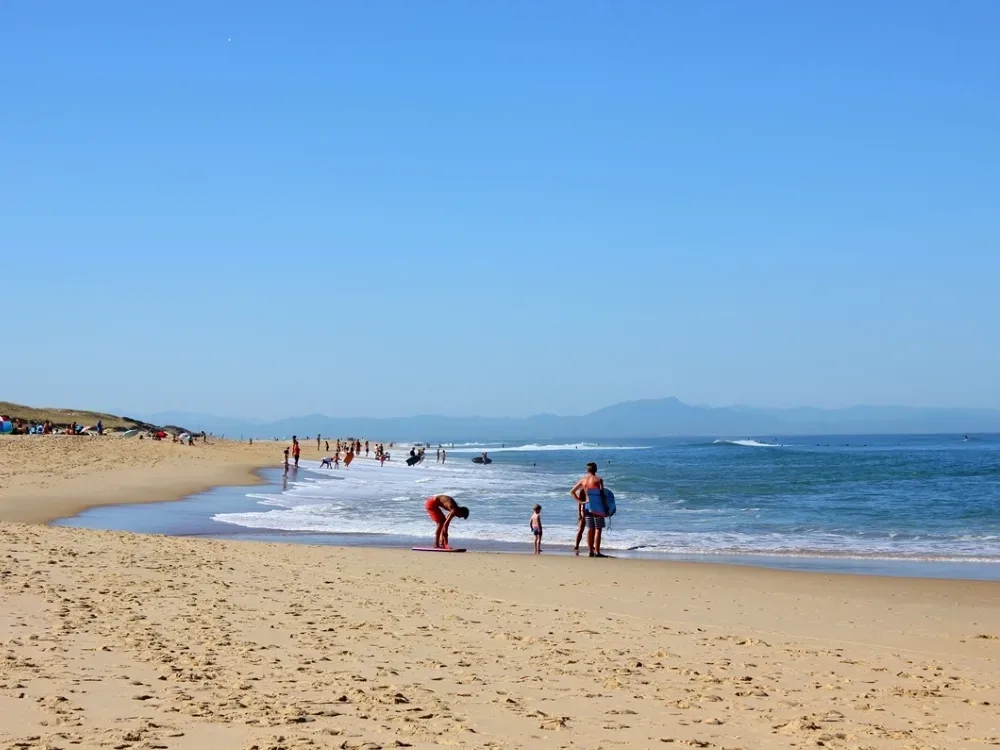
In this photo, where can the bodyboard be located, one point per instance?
(596, 507)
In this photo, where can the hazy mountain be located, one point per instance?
(632, 419)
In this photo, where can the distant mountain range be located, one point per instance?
(650, 418)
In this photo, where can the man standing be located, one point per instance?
(594, 521)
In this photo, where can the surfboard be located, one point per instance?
(438, 549)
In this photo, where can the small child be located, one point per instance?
(536, 528)
(286, 460)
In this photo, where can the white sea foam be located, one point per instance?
(749, 443)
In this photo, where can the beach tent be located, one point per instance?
(130, 433)
(6, 427)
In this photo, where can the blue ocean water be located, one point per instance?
(887, 498)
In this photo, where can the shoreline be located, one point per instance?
(191, 517)
(165, 473)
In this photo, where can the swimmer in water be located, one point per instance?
(436, 506)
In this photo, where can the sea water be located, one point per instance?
(839, 502)
(935, 497)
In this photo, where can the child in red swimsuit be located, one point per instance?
(436, 506)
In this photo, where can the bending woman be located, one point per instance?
(437, 506)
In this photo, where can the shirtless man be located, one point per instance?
(435, 506)
(593, 522)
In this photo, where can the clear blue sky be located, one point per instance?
(498, 208)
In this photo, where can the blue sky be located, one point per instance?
(499, 208)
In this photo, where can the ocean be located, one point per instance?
(884, 504)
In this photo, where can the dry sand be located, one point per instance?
(45, 477)
(120, 641)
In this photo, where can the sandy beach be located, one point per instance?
(43, 478)
(122, 640)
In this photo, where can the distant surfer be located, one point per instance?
(436, 506)
(594, 522)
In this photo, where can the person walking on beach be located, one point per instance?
(536, 528)
(593, 521)
(296, 450)
(435, 507)
(366, 449)
(327, 443)
(286, 460)
(317, 443)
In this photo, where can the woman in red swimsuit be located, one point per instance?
(436, 506)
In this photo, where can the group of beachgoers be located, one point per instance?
(16, 426)
(443, 509)
(351, 448)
